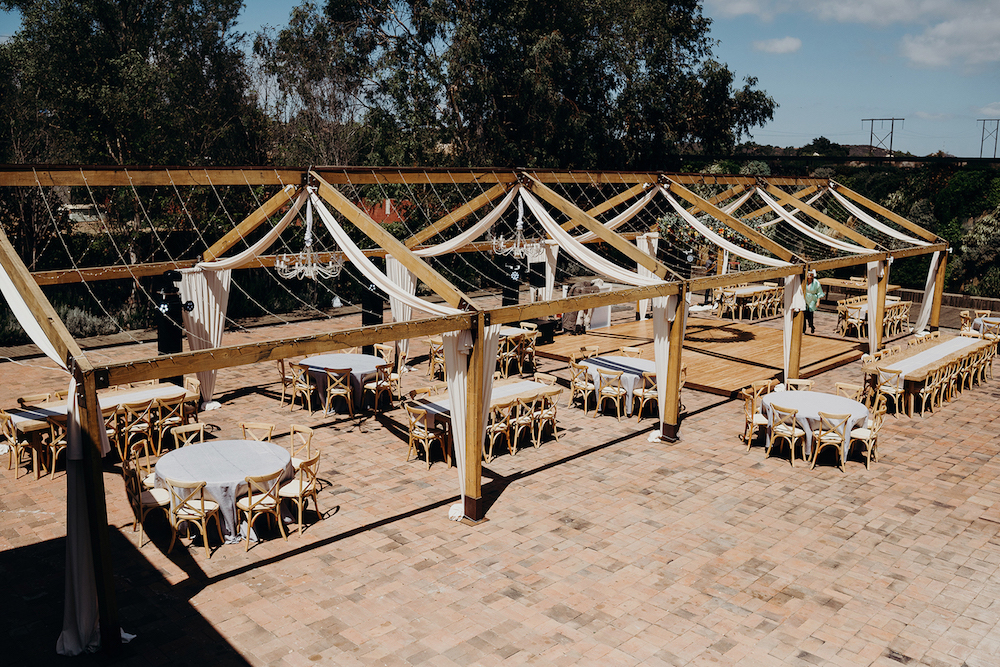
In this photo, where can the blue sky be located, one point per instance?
(831, 63)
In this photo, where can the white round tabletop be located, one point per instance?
(810, 403)
(360, 364)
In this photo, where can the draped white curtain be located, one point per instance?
(872, 222)
(793, 301)
(803, 228)
(369, 270)
(265, 242)
(929, 288)
(551, 255)
(716, 239)
(622, 217)
(648, 244)
(457, 345)
(876, 270)
(474, 232)
(401, 312)
(209, 292)
(580, 252)
(664, 317)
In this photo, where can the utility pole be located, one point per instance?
(986, 135)
(881, 139)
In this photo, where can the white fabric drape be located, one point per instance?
(718, 240)
(794, 301)
(401, 311)
(209, 292)
(803, 228)
(795, 211)
(622, 217)
(875, 271)
(265, 242)
(872, 222)
(551, 255)
(647, 243)
(474, 232)
(457, 345)
(730, 208)
(581, 253)
(929, 288)
(80, 630)
(664, 318)
(369, 270)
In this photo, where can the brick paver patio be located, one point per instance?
(600, 549)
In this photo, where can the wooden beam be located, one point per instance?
(915, 251)
(722, 196)
(239, 355)
(392, 245)
(528, 311)
(879, 313)
(795, 346)
(250, 223)
(459, 213)
(784, 198)
(842, 262)
(611, 238)
(737, 225)
(883, 211)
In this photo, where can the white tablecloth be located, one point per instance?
(933, 355)
(632, 370)
(977, 324)
(362, 370)
(224, 466)
(441, 407)
(46, 410)
(512, 331)
(809, 404)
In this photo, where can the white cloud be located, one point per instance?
(968, 40)
(779, 45)
(942, 33)
(990, 110)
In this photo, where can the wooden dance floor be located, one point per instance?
(721, 356)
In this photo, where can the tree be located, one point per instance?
(130, 82)
(555, 83)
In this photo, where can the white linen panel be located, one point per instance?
(209, 292)
(473, 233)
(369, 270)
(875, 271)
(929, 287)
(794, 301)
(622, 217)
(581, 253)
(265, 242)
(664, 317)
(551, 255)
(872, 222)
(401, 311)
(457, 345)
(716, 239)
(802, 227)
(647, 243)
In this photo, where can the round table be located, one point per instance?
(809, 404)
(224, 466)
(362, 370)
(977, 324)
(632, 369)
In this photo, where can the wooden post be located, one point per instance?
(671, 411)
(935, 317)
(92, 424)
(474, 510)
(795, 346)
(879, 311)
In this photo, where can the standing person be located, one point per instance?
(814, 292)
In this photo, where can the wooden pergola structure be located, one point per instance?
(474, 318)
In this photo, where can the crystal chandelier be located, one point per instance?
(306, 264)
(518, 247)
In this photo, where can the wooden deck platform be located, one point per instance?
(721, 356)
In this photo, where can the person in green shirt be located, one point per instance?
(814, 292)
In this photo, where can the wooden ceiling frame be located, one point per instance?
(786, 199)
